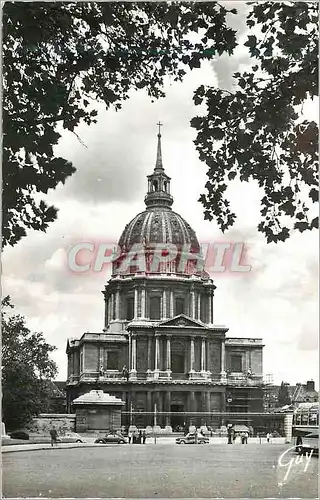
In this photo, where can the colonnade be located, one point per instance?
(114, 311)
(159, 350)
(157, 402)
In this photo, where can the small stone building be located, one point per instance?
(96, 411)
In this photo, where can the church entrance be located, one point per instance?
(177, 421)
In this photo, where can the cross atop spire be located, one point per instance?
(159, 153)
(159, 125)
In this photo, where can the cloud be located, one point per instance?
(225, 66)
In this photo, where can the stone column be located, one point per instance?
(130, 355)
(111, 306)
(210, 309)
(149, 346)
(143, 302)
(191, 354)
(106, 312)
(203, 407)
(133, 372)
(155, 408)
(136, 303)
(157, 356)
(193, 402)
(207, 359)
(101, 357)
(203, 355)
(208, 405)
(168, 407)
(199, 305)
(211, 306)
(223, 361)
(164, 304)
(168, 360)
(124, 397)
(193, 304)
(149, 401)
(117, 304)
(247, 361)
(171, 304)
(149, 407)
(288, 418)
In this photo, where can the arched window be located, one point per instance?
(165, 186)
(155, 185)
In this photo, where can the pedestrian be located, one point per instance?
(246, 435)
(242, 437)
(298, 444)
(140, 437)
(130, 436)
(229, 430)
(234, 436)
(54, 435)
(268, 437)
(144, 437)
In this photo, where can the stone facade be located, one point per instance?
(160, 351)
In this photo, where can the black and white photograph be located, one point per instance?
(160, 186)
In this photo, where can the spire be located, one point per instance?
(158, 194)
(159, 165)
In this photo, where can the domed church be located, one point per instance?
(160, 351)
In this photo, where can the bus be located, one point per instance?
(305, 419)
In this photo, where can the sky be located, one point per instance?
(275, 301)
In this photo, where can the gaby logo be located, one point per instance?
(286, 463)
(217, 257)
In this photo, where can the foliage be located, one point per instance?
(60, 58)
(26, 369)
(256, 131)
(283, 395)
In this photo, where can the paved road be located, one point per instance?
(153, 471)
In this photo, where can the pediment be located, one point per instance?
(183, 321)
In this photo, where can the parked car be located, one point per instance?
(111, 437)
(309, 442)
(70, 437)
(190, 438)
(19, 435)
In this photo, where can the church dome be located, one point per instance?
(158, 224)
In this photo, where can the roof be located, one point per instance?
(98, 397)
(56, 388)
